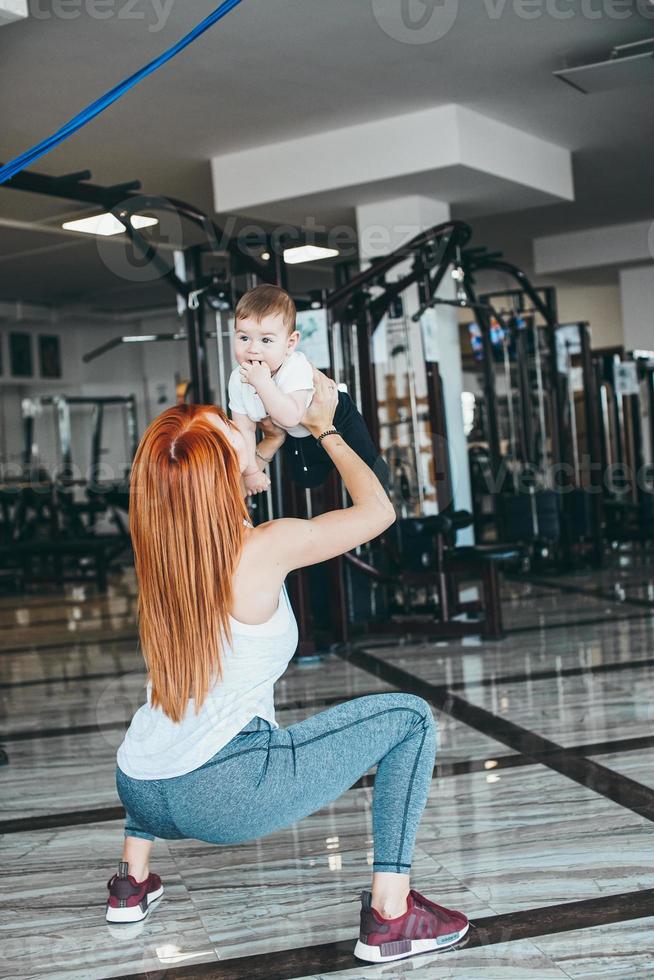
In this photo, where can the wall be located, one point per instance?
(599, 305)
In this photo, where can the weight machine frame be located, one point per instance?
(623, 417)
(62, 405)
(543, 302)
(123, 200)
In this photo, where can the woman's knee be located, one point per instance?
(414, 703)
(416, 710)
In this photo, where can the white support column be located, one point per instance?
(383, 227)
(637, 300)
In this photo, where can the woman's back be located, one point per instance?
(155, 747)
(258, 576)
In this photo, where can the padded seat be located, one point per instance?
(499, 554)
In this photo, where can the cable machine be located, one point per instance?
(539, 418)
(625, 386)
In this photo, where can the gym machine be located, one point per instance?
(407, 581)
(625, 386)
(535, 466)
(51, 512)
(355, 310)
(52, 526)
(32, 409)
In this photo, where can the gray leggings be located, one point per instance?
(266, 779)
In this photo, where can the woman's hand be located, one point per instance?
(320, 413)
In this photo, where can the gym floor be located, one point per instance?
(539, 823)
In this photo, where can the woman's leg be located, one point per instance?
(266, 780)
(145, 810)
(136, 851)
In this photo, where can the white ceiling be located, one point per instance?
(277, 69)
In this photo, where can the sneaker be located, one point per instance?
(424, 927)
(130, 900)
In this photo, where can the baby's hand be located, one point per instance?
(255, 373)
(256, 482)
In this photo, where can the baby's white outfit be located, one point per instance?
(295, 374)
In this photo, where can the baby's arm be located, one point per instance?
(286, 409)
(255, 480)
(273, 439)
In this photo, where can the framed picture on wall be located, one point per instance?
(20, 355)
(49, 356)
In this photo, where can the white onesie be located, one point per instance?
(295, 374)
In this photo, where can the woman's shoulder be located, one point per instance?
(261, 544)
(275, 528)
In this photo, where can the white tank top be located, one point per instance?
(155, 747)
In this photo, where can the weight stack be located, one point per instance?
(531, 517)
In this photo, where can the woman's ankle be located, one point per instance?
(389, 893)
(390, 908)
(139, 872)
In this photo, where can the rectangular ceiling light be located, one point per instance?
(107, 224)
(308, 253)
(11, 10)
(602, 76)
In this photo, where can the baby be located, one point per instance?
(276, 380)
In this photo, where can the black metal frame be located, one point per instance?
(123, 200)
(542, 300)
(631, 519)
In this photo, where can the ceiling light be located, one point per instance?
(308, 253)
(629, 64)
(107, 224)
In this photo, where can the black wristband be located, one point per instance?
(328, 432)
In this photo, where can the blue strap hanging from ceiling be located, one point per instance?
(86, 115)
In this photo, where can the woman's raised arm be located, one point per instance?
(299, 543)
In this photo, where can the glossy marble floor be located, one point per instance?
(538, 824)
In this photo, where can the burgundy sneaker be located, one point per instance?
(130, 900)
(424, 927)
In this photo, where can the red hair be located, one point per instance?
(186, 519)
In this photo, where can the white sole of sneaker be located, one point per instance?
(134, 914)
(402, 948)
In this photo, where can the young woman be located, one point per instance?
(204, 758)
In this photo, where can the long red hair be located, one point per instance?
(186, 518)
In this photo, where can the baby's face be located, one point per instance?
(267, 340)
